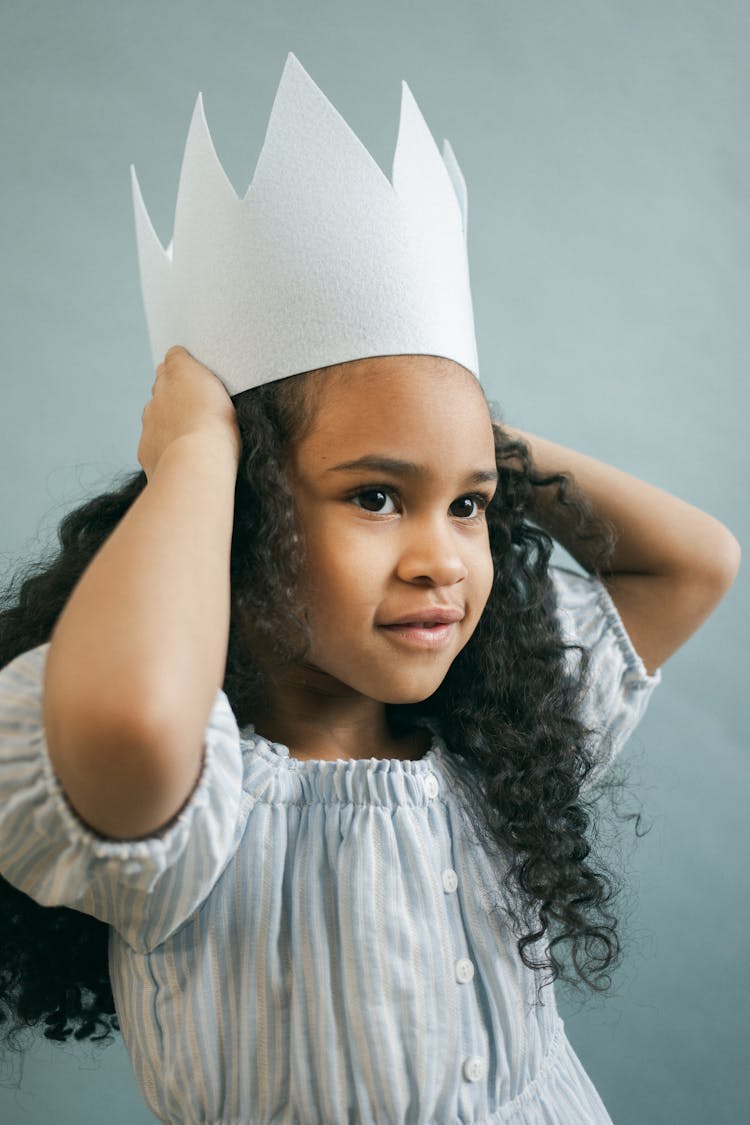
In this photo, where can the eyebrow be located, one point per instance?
(375, 463)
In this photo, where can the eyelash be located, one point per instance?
(481, 499)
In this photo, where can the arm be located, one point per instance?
(140, 648)
(672, 563)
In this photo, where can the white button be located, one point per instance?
(450, 880)
(464, 970)
(473, 1068)
(431, 785)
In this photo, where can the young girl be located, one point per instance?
(303, 925)
(299, 737)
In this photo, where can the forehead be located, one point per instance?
(398, 403)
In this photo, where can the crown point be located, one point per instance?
(201, 164)
(293, 63)
(458, 181)
(147, 236)
(406, 92)
(135, 188)
(199, 112)
(416, 159)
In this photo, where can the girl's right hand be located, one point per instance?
(186, 398)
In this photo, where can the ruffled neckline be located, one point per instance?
(279, 752)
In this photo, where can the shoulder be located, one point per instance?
(145, 887)
(662, 611)
(589, 618)
(617, 686)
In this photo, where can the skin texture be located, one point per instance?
(383, 544)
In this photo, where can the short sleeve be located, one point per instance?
(144, 888)
(618, 686)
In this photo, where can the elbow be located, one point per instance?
(125, 790)
(709, 558)
(115, 774)
(725, 561)
(706, 577)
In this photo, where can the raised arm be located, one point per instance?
(672, 563)
(140, 649)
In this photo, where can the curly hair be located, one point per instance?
(508, 711)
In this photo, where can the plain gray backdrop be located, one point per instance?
(606, 154)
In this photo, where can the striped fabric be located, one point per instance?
(315, 941)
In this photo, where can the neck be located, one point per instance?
(319, 719)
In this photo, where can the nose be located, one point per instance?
(430, 553)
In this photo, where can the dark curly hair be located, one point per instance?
(508, 711)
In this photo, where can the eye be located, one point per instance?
(470, 506)
(372, 500)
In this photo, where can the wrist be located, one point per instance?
(212, 448)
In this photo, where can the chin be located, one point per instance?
(416, 694)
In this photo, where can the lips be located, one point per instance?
(426, 630)
(427, 617)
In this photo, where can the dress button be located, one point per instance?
(431, 785)
(473, 1068)
(464, 970)
(450, 880)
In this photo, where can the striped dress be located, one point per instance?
(315, 941)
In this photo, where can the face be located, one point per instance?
(391, 485)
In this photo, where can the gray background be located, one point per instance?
(605, 149)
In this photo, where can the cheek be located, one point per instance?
(484, 574)
(344, 570)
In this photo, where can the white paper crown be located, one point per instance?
(323, 261)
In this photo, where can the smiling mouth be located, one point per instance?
(416, 624)
(422, 634)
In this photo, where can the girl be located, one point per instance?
(300, 733)
(303, 728)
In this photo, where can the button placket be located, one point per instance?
(473, 1068)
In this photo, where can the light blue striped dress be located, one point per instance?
(313, 941)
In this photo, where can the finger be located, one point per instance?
(176, 352)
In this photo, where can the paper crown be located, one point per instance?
(324, 260)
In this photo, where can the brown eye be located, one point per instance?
(372, 500)
(466, 506)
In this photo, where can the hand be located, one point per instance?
(186, 398)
